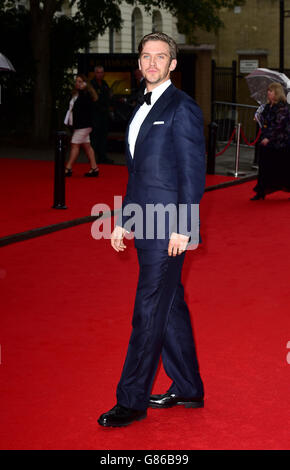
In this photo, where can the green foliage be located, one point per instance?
(69, 34)
(15, 41)
(192, 13)
(206, 15)
(16, 106)
(6, 4)
(98, 15)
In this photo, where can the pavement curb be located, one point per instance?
(38, 232)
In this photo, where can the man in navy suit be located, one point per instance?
(166, 164)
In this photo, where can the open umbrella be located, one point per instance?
(5, 64)
(259, 80)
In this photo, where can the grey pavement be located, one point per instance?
(225, 163)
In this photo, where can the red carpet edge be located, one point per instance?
(39, 231)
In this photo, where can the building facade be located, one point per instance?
(251, 32)
(136, 23)
(194, 65)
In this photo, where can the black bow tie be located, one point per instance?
(144, 98)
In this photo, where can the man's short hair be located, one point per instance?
(159, 37)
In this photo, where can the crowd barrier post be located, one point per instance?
(59, 170)
(238, 143)
(236, 172)
(211, 154)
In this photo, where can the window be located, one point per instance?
(136, 29)
(111, 41)
(156, 22)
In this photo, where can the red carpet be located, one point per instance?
(66, 310)
(26, 193)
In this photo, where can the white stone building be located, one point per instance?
(136, 23)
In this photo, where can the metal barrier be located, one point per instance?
(211, 154)
(237, 127)
(229, 115)
(236, 171)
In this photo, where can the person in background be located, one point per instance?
(274, 166)
(138, 88)
(79, 117)
(101, 115)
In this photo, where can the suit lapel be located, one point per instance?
(156, 110)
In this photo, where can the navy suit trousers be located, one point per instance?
(160, 327)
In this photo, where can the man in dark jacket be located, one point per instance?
(100, 115)
(166, 162)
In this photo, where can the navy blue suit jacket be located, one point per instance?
(168, 165)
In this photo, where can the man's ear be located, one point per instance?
(173, 65)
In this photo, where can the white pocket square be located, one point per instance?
(157, 122)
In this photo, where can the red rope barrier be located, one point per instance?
(251, 144)
(228, 144)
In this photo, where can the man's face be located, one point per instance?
(99, 73)
(155, 63)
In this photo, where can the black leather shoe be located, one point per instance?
(121, 416)
(257, 197)
(167, 400)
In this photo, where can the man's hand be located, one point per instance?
(117, 238)
(177, 244)
(265, 142)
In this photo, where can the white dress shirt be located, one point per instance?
(142, 113)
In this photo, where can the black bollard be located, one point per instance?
(59, 165)
(211, 152)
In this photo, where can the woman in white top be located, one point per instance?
(79, 117)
